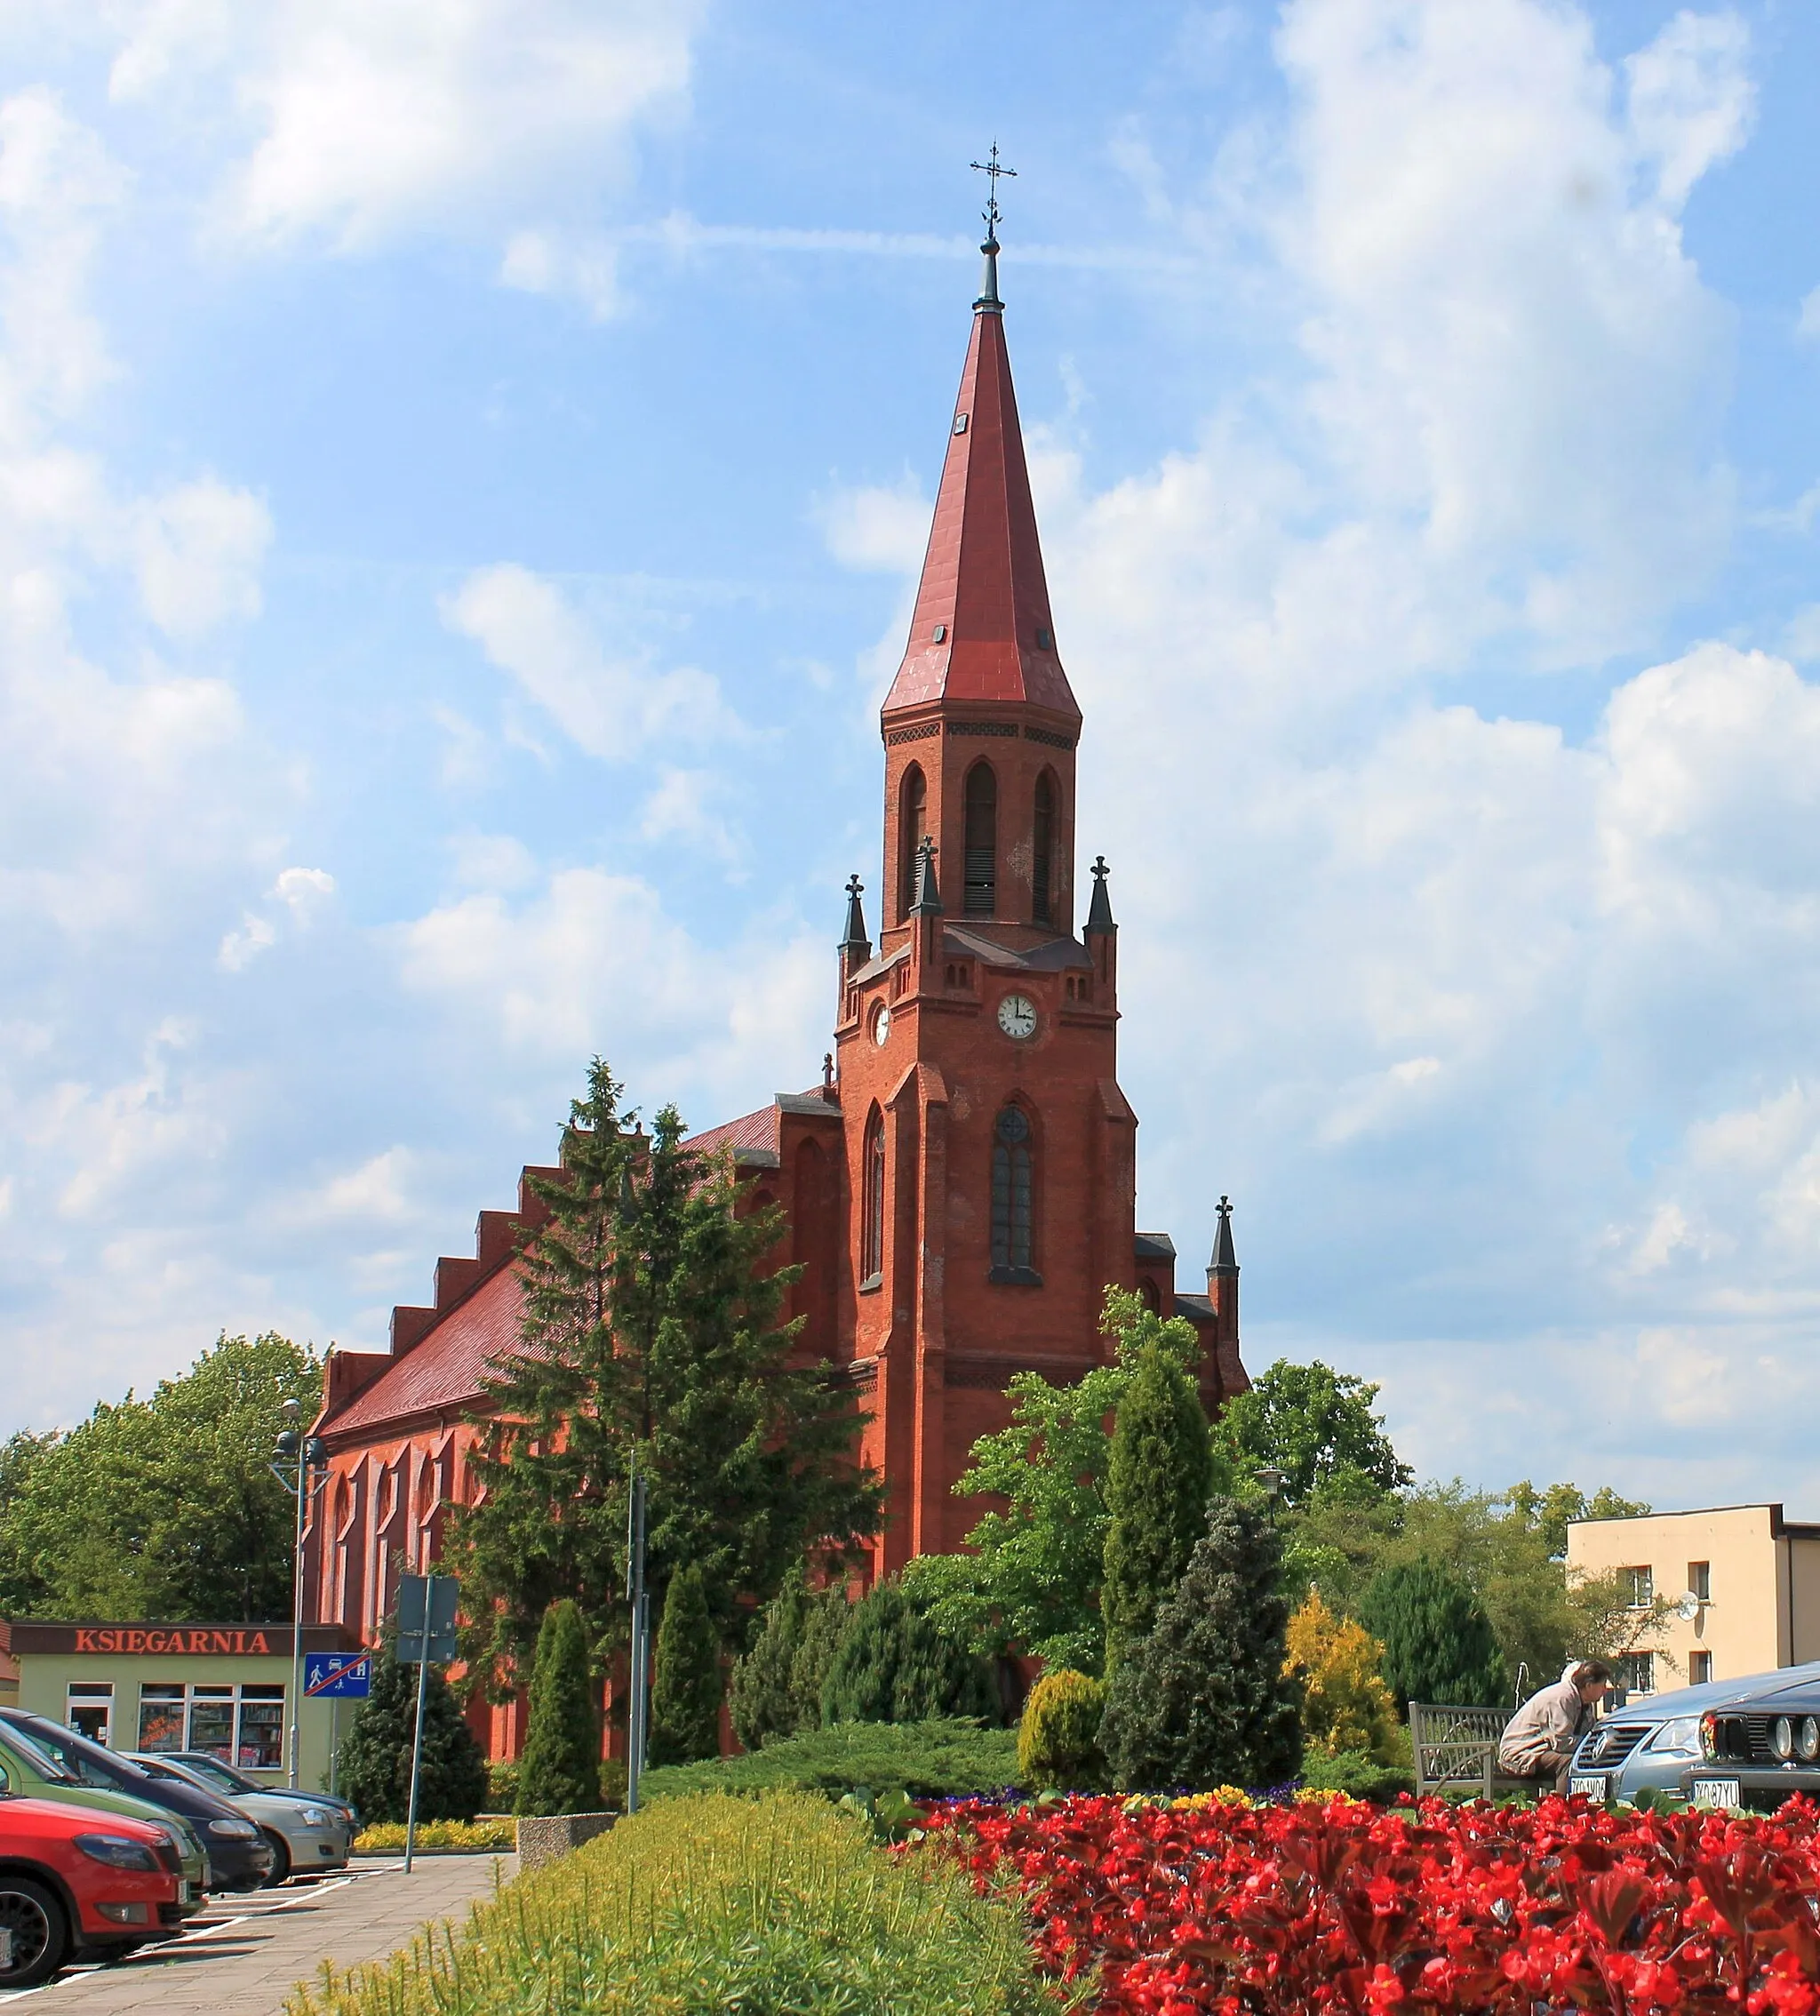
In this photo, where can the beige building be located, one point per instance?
(1746, 1582)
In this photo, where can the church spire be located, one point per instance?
(1225, 1260)
(983, 630)
(855, 944)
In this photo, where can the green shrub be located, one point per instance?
(895, 1664)
(929, 1760)
(1437, 1638)
(823, 1629)
(714, 1904)
(612, 1785)
(685, 1692)
(373, 1769)
(1357, 1773)
(761, 1702)
(1058, 1738)
(502, 1786)
(560, 1770)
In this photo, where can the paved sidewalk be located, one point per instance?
(244, 1955)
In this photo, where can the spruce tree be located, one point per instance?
(654, 1338)
(560, 1770)
(895, 1664)
(760, 1703)
(373, 1767)
(1203, 1700)
(685, 1692)
(1437, 1642)
(823, 1629)
(1158, 1479)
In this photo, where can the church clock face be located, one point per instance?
(1018, 1017)
(881, 1024)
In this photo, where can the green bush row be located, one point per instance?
(927, 1760)
(709, 1904)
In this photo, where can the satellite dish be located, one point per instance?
(1688, 1608)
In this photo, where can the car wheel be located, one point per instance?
(281, 1859)
(40, 1933)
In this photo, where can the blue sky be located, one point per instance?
(462, 471)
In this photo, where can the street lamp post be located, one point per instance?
(301, 1465)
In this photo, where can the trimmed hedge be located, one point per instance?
(494, 1836)
(1357, 1773)
(715, 1903)
(927, 1760)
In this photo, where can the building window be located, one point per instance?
(913, 824)
(241, 1725)
(1638, 1586)
(1013, 1210)
(1635, 1672)
(89, 1710)
(871, 1204)
(1043, 850)
(1700, 1669)
(1700, 1580)
(980, 896)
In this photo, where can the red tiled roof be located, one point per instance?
(750, 1131)
(983, 583)
(445, 1371)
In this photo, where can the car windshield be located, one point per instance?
(39, 1758)
(88, 1761)
(217, 1774)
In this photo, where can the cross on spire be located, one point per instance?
(992, 168)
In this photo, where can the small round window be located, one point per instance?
(1014, 1125)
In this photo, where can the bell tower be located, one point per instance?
(991, 1155)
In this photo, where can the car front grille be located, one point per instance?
(1611, 1744)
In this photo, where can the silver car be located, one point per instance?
(308, 1831)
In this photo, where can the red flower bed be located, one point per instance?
(1346, 1909)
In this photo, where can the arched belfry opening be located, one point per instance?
(872, 1200)
(912, 824)
(1043, 850)
(981, 864)
(1013, 1196)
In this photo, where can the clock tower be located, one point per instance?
(991, 1156)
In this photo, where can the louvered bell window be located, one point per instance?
(1012, 1187)
(981, 866)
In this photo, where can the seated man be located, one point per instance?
(1539, 1740)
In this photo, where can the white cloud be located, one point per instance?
(877, 528)
(1807, 322)
(583, 268)
(608, 706)
(200, 548)
(682, 808)
(1691, 98)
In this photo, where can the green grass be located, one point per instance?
(779, 1906)
(927, 1760)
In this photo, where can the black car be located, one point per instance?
(240, 1857)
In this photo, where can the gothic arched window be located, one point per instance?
(913, 824)
(1043, 850)
(872, 1199)
(982, 854)
(1013, 1197)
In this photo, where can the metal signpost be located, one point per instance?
(640, 1598)
(302, 1467)
(336, 1677)
(427, 1606)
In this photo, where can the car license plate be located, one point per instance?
(1586, 1787)
(1716, 1792)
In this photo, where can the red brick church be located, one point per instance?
(961, 1187)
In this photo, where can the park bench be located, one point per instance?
(1456, 1750)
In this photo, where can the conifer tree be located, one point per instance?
(1158, 1479)
(895, 1664)
(1437, 1642)
(685, 1692)
(560, 1770)
(373, 1767)
(823, 1629)
(1345, 1705)
(1203, 1700)
(760, 1703)
(650, 1337)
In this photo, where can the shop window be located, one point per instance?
(211, 1722)
(1638, 1586)
(89, 1710)
(1700, 1580)
(1043, 850)
(872, 1213)
(980, 896)
(1700, 1669)
(160, 1715)
(243, 1725)
(1013, 1197)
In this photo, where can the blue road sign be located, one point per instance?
(337, 1676)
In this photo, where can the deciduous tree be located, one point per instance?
(1314, 1427)
(1345, 1705)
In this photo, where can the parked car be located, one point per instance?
(36, 1775)
(76, 1882)
(239, 1856)
(224, 1779)
(1671, 1742)
(304, 1833)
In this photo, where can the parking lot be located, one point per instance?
(244, 1955)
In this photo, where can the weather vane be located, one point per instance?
(992, 168)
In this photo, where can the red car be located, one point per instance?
(74, 1881)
